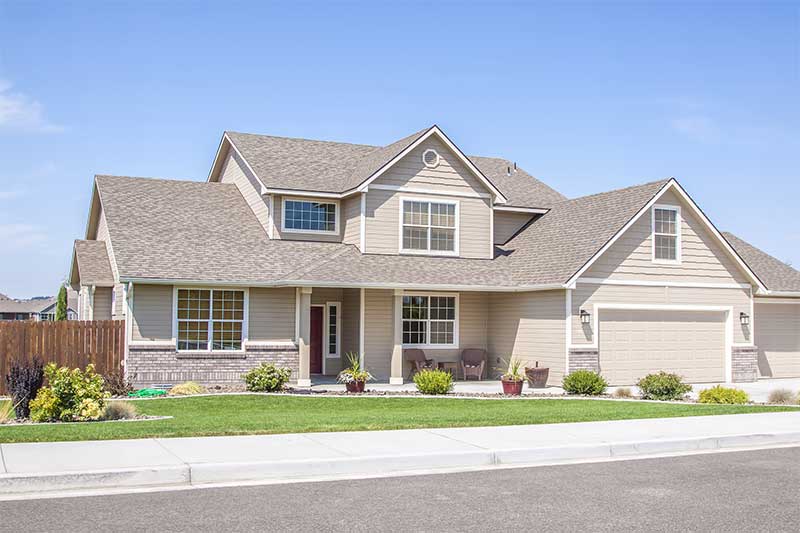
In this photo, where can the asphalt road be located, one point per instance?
(743, 491)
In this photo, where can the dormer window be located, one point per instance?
(666, 234)
(307, 216)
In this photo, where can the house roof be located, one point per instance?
(34, 305)
(776, 275)
(92, 263)
(335, 167)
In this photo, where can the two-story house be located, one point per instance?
(298, 252)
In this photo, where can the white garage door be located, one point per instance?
(636, 343)
(778, 340)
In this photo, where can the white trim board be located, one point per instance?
(527, 210)
(429, 251)
(661, 283)
(672, 184)
(678, 240)
(336, 224)
(423, 190)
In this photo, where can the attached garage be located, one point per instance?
(777, 335)
(634, 343)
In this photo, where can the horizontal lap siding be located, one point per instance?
(152, 313)
(351, 220)
(531, 327)
(378, 332)
(778, 339)
(587, 294)
(507, 224)
(235, 171)
(383, 223)
(351, 317)
(271, 316)
(702, 258)
(102, 303)
(294, 236)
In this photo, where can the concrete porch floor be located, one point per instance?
(758, 391)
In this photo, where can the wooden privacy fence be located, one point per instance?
(67, 343)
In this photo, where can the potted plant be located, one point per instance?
(512, 377)
(537, 377)
(354, 377)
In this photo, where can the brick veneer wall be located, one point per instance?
(745, 363)
(163, 365)
(584, 359)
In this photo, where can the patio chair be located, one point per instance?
(473, 362)
(419, 361)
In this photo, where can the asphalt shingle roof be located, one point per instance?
(94, 266)
(34, 305)
(776, 275)
(325, 166)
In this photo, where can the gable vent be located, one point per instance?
(430, 158)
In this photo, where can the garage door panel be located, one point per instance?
(777, 335)
(636, 343)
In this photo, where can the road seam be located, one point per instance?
(176, 456)
(2, 460)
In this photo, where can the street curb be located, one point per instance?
(199, 474)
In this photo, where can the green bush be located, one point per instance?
(186, 389)
(71, 395)
(585, 382)
(720, 394)
(267, 378)
(663, 386)
(433, 381)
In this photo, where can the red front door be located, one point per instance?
(316, 340)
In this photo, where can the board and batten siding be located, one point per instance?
(295, 236)
(507, 224)
(585, 295)
(235, 171)
(271, 314)
(351, 220)
(530, 326)
(152, 313)
(702, 258)
(383, 223)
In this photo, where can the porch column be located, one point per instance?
(304, 337)
(396, 377)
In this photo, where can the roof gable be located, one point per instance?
(776, 275)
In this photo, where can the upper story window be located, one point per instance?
(210, 319)
(429, 227)
(308, 216)
(666, 234)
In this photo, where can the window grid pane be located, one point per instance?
(665, 234)
(332, 330)
(429, 320)
(311, 216)
(221, 311)
(429, 226)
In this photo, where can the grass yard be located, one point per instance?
(251, 414)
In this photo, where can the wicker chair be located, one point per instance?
(419, 361)
(473, 362)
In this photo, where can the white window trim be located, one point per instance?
(456, 237)
(245, 317)
(284, 229)
(428, 345)
(678, 240)
(327, 331)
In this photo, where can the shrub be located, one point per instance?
(584, 382)
(185, 389)
(71, 395)
(25, 378)
(720, 394)
(6, 411)
(663, 386)
(781, 396)
(512, 371)
(433, 381)
(116, 384)
(623, 392)
(353, 373)
(117, 410)
(267, 378)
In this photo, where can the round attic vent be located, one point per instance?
(430, 158)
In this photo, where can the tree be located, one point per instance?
(61, 303)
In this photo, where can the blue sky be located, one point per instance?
(586, 96)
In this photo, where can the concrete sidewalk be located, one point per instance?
(39, 468)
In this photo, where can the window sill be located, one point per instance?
(428, 253)
(432, 346)
(667, 262)
(212, 355)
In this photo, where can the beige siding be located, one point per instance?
(292, 235)
(529, 326)
(152, 313)
(383, 223)
(103, 235)
(271, 314)
(586, 295)
(703, 259)
(322, 295)
(351, 316)
(235, 171)
(118, 312)
(777, 333)
(351, 220)
(378, 332)
(507, 224)
(451, 175)
(102, 303)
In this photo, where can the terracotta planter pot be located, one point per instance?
(512, 388)
(537, 377)
(355, 386)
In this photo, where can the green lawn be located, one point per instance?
(249, 414)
